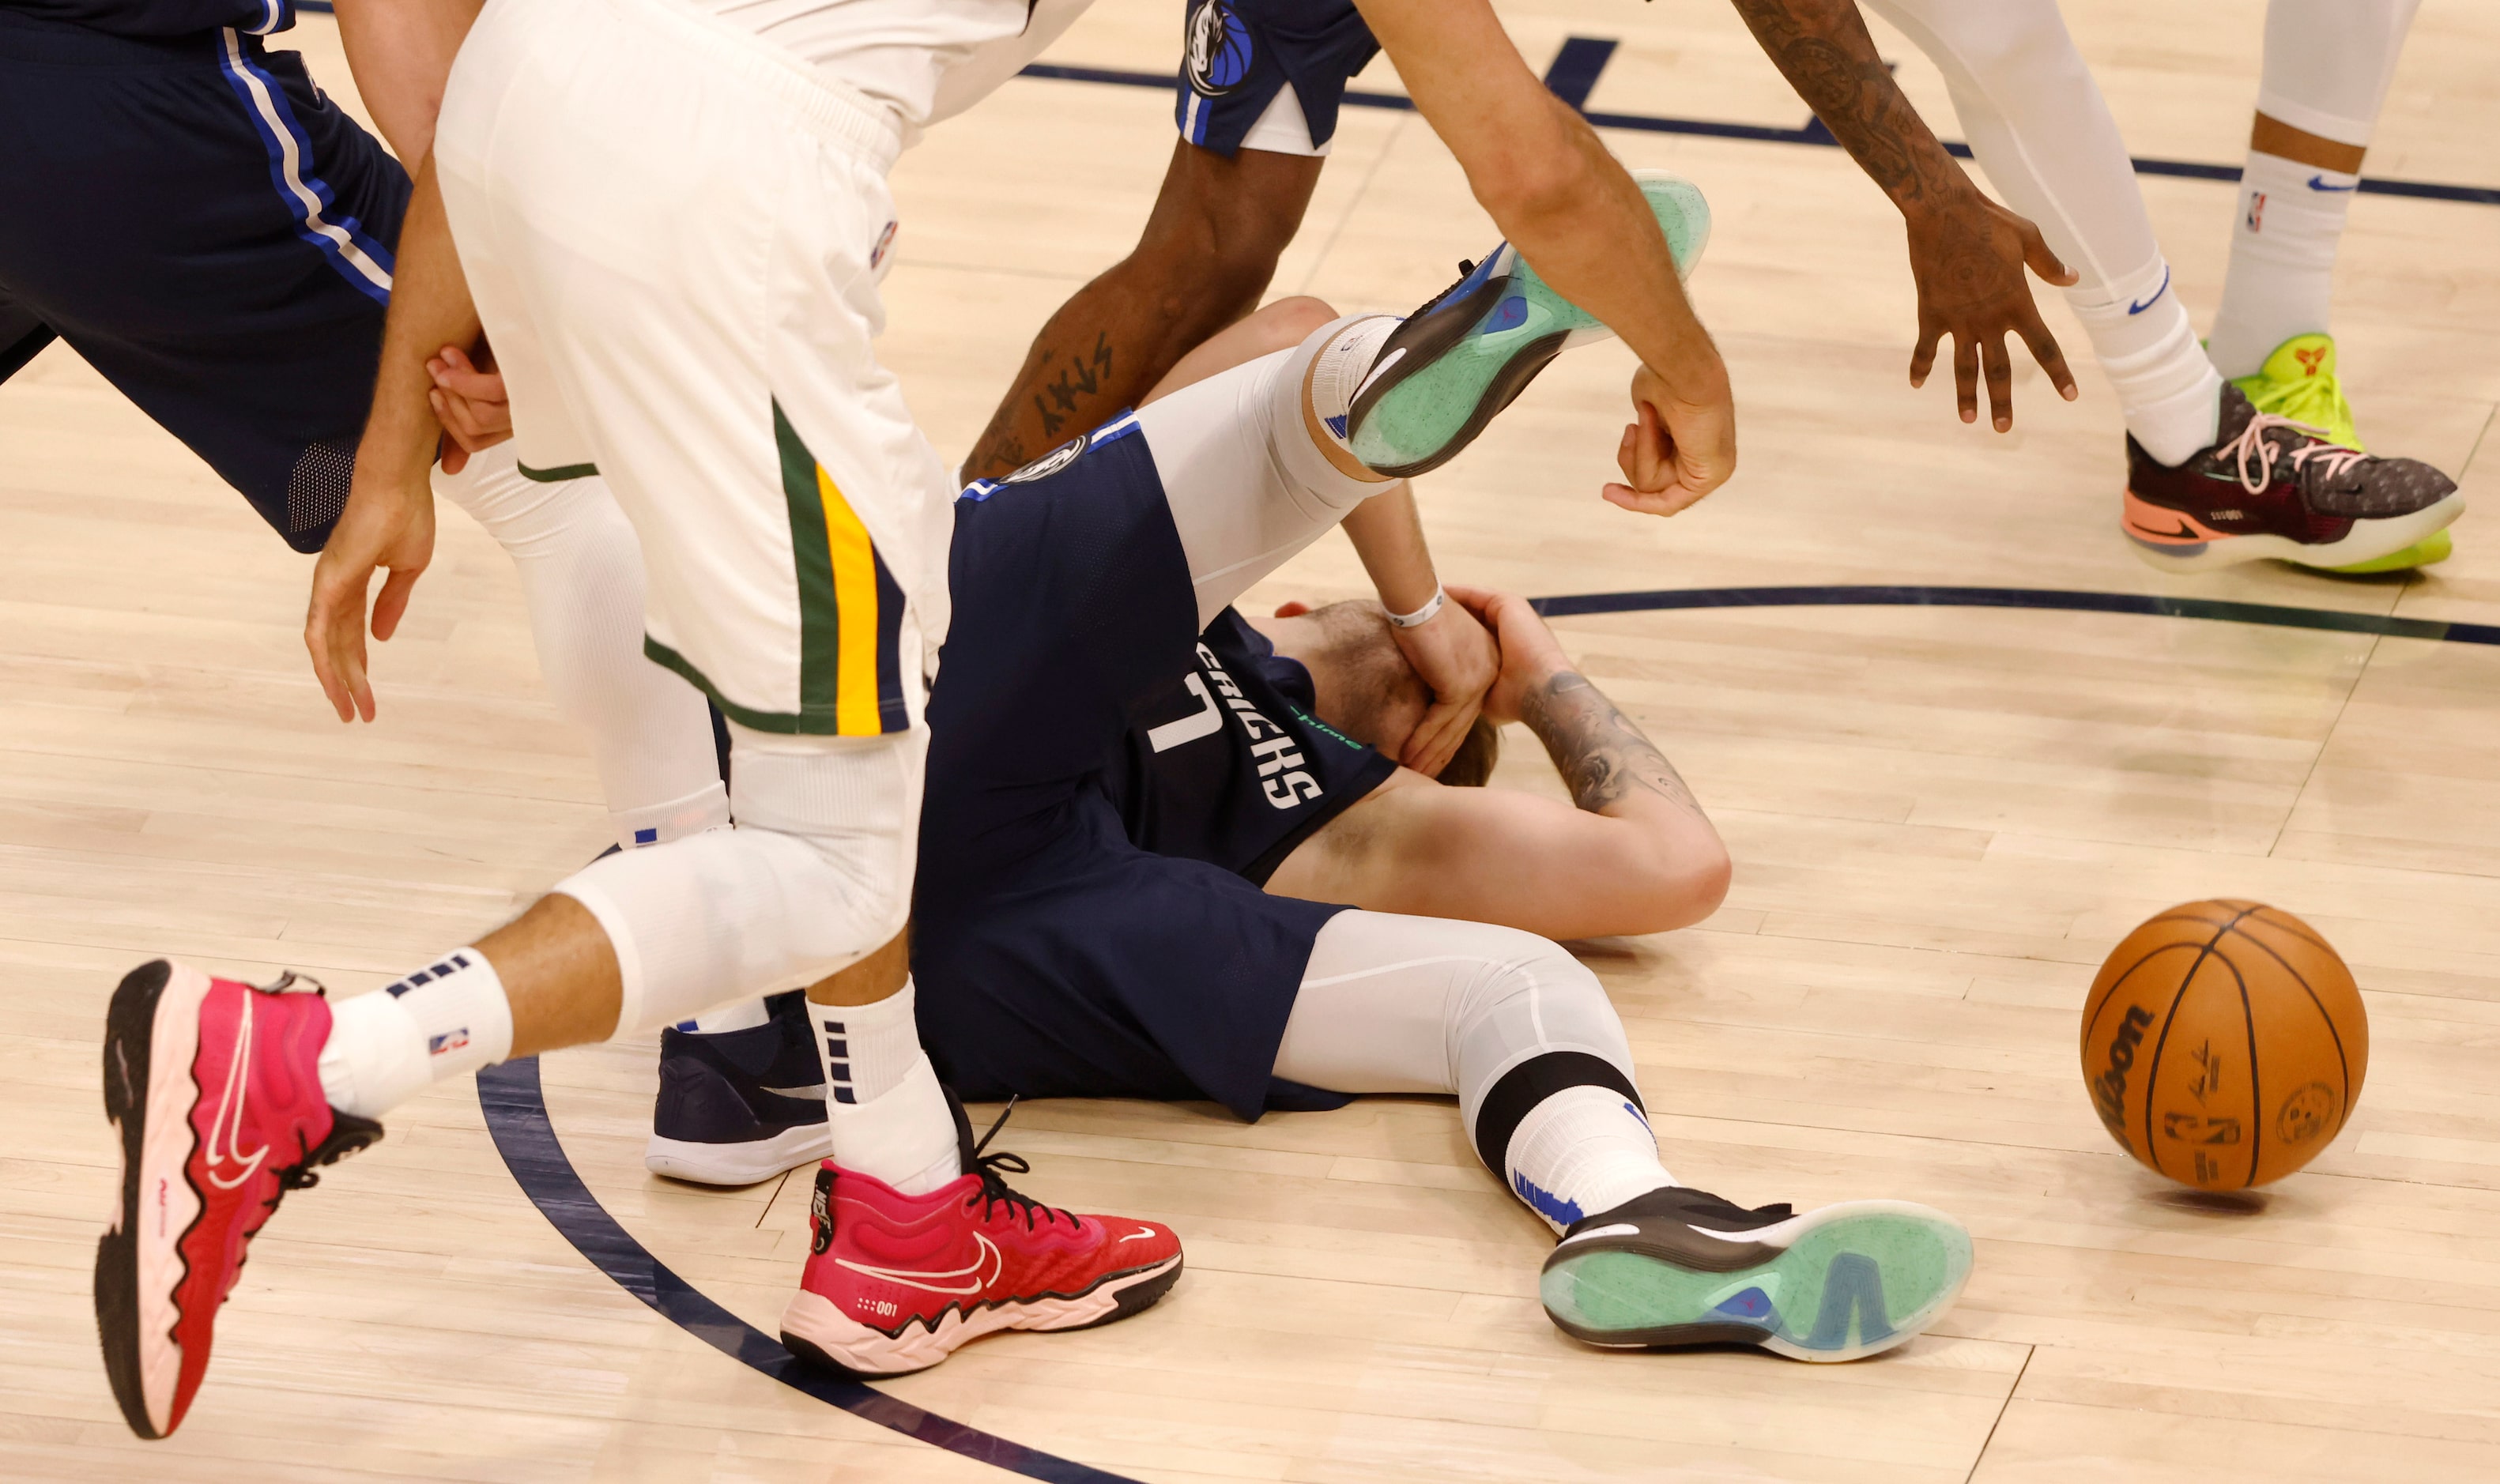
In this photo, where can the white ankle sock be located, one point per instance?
(2282, 259)
(1337, 373)
(889, 1116)
(2169, 391)
(446, 1020)
(1584, 1150)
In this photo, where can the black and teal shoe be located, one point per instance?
(1444, 372)
(1681, 1266)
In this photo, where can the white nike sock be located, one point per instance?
(1583, 1151)
(2282, 259)
(889, 1116)
(446, 1020)
(1338, 370)
(2168, 390)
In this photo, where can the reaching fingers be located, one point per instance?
(1438, 735)
(1662, 502)
(392, 602)
(2000, 381)
(334, 636)
(1966, 364)
(2044, 349)
(1922, 359)
(2047, 264)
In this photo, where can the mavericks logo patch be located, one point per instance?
(1218, 49)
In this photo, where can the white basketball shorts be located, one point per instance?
(674, 232)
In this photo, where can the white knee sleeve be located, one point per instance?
(2328, 63)
(1399, 1004)
(582, 574)
(816, 877)
(1247, 487)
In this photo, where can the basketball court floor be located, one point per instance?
(1942, 816)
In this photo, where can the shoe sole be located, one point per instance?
(1468, 355)
(2367, 544)
(740, 1164)
(813, 1330)
(1865, 1275)
(153, 1023)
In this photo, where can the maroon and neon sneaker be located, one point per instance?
(895, 1282)
(2271, 487)
(216, 1088)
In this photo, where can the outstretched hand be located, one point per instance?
(389, 524)
(1675, 450)
(1457, 662)
(1968, 261)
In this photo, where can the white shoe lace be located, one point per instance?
(2253, 449)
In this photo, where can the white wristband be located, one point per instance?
(1422, 616)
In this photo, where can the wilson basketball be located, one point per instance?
(2225, 1043)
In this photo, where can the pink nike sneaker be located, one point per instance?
(217, 1091)
(895, 1283)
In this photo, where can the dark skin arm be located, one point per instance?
(1966, 252)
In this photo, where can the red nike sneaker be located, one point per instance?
(2271, 487)
(217, 1091)
(895, 1283)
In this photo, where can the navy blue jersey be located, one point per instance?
(164, 17)
(1230, 766)
(207, 229)
(1086, 922)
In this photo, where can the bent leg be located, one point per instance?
(582, 574)
(1518, 1030)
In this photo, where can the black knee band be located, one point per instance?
(1530, 1083)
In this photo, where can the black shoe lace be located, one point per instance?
(993, 1168)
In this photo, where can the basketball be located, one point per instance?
(2224, 1044)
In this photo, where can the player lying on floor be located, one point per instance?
(1089, 919)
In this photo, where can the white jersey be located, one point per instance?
(923, 59)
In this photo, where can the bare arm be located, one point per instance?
(390, 518)
(1567, 204)
(1632, 853)
(1451, 651)
(401, 52)
(1966, 252)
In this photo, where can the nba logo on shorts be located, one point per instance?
(2257, 211)
(1219, 48)
(884, 242)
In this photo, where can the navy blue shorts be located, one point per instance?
(1237, 55)
(1054, 958)
(213, 235)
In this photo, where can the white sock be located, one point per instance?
(2168, 390)
(1581, 1151)
(889, 1116)
(2282, 259)
(1337, 373)
(446, 1020)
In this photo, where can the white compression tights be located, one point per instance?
(2040, 128)
(582, 574)
(1517, 1029)
(1247, 487)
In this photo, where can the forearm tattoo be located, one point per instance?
(1823, 48)
(1598, 750)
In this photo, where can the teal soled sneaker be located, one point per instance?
(1681, 1266)
(1444, 372)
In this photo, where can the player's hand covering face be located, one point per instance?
(1968, 261)
(1458, 663)
(1529, 651)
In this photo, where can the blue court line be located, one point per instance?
(1881, 596)
(515, 1102)
(1577, 65)
(516, 1115)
